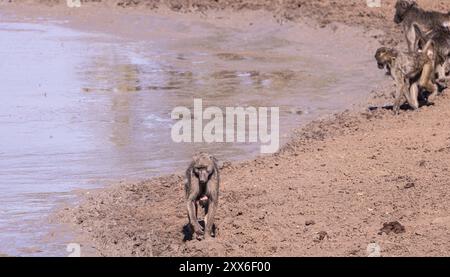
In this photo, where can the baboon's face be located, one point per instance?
(383, 57)
(203, 168)
(203, 172)
(401, 7)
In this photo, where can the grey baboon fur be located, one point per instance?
(411, 72)
(202, 188)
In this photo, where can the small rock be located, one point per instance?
(320, 236)
(409, 185)
(310, 222)
(392, 227)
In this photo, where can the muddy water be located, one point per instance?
(81, 110)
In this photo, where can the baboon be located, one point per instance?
(441, 39)
(408, 13)
(411, 72)
(202, 188)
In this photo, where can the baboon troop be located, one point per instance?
(424, 67)
(202, 189)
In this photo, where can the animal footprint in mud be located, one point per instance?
(392, 227)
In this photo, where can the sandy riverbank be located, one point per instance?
(327, 193)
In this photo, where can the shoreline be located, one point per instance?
(330, 175)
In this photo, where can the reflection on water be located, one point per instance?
(80, 110)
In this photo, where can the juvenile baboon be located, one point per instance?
(411, 72)
(408, 13)
(202, 188)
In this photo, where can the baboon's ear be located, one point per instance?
(213, 159)
(196, 157)
(190, 170)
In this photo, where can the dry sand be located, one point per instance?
(327, 193)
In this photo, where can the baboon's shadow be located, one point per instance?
(404, 107)
(188, 233)
(422, 102)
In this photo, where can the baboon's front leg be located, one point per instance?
(411, 38)
(400, 95)
(209, 217)
(192, 206)
(425, 81)
(397, 103)
(196, 209)
(433, 89)
(193, 217)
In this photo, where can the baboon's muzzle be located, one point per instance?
(380, 65)
(203, 176)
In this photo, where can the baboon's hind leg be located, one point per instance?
(425, 81)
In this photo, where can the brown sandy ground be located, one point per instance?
(327, 193)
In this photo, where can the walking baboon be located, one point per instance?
(411, 72)
(202, 188)
(408, 13)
